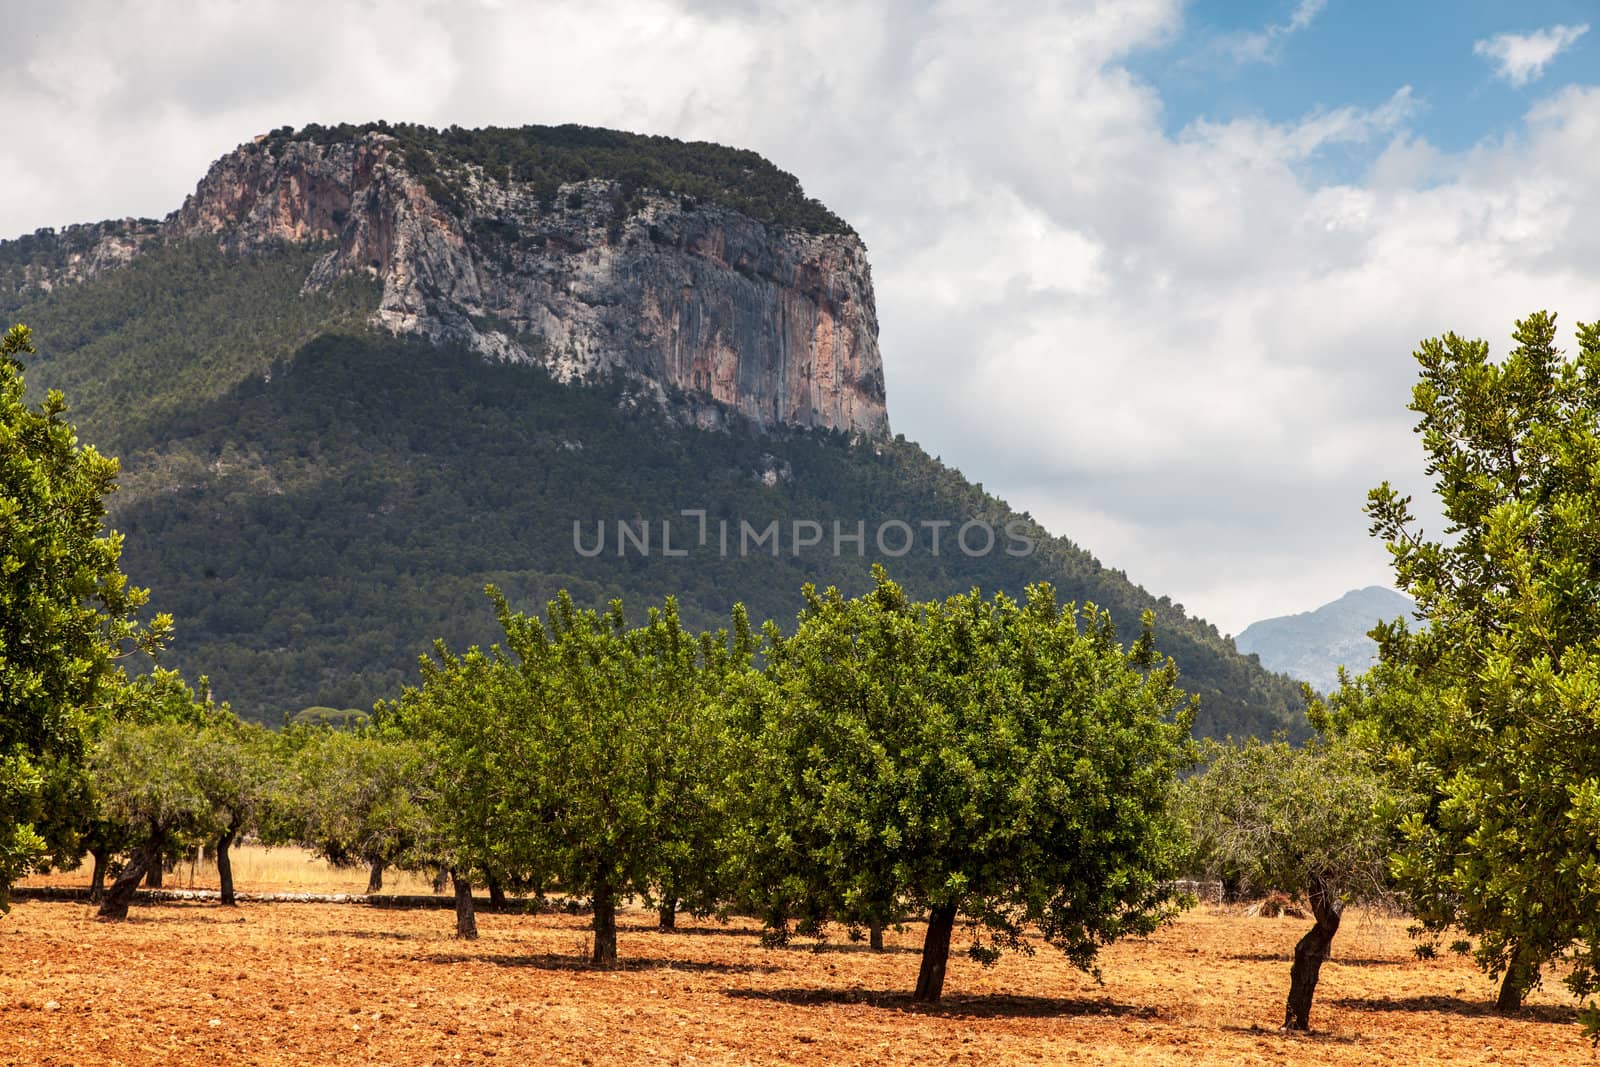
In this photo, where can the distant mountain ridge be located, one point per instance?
(1313, 645)
(366, 370)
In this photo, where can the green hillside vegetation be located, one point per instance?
(550, 156)
(184, 324)
(315, 503)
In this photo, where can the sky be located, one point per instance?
(1152, 271)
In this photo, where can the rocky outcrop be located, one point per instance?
(49, 258)
(707, 308)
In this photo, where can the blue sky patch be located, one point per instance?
(1282, 60)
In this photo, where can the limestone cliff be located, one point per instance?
(708, 308)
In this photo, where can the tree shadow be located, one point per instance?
(851, 946)
(1321, 1037)
(376, 935)
(691, 931)
(1540, 1013)
(549, 961)
(992, 1006)
(1344, 961)
(185, 912)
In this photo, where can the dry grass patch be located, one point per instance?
(265, 870)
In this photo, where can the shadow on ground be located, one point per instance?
(970, 1007)
(1541, 1013)
(1287, 958)
(690, 931)
(551, 962)
(1313, 1035)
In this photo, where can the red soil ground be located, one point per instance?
(314, 984)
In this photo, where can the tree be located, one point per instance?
(613, 750)
(688, 766)
(232, 765)
(1490, 710)
(66, 612)
(455, 718)
(987, 758)
(352, 798)
(76, 817)
(1269, 817)
(146, 781)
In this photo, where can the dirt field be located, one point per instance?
(328, 984)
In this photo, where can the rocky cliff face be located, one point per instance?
(707, 308)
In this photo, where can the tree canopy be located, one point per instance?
(586, 753)
(1318, 820)
(67, 613)
(1008, 762)
(1491, 712)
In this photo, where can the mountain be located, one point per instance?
(362, 371)
(1313, 645)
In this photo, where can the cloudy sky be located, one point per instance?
(1151, 270)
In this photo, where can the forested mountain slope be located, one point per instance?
(317, 494)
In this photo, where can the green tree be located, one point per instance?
(986, 758)
(146, 781)
(584, 754)
(66, 612)
(233, 769)
(1491, 709)
(1319, 820)
(457, 719)
(690, 760)
(352, 798)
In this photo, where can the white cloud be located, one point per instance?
(1520, 58)
(1263, 45)
(1186, 352)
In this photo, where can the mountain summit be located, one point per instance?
(1313, 645)
(701, 273)
(365, 370)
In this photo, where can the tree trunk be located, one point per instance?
(605, 925)
(225, 866)
(375, 877)
(97, 879)
(440, 878)
(875, 935)
(1309, 954)
(1518, 980)
(466, 919)
(667, 914)
(120, 895)
(153, 872)
(935, 953)
(497, 893)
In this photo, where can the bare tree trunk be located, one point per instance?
(466, 918)
(497, 892)
(225, 866)
(153, 871)
(605, 925)
(875, 935)
(935, 953)
(667, 914)
(97, 879)
(375, 877)
(120, 895)
(1517, 981)
(440, 879)
(1309, 954)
